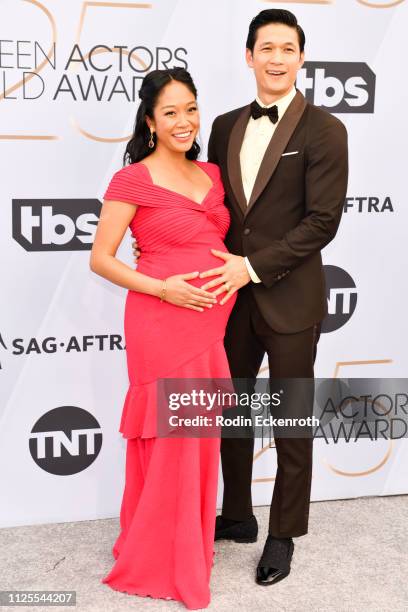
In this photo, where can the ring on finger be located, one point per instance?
(227, 286)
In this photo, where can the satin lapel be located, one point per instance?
(277, 145)
(233, 159)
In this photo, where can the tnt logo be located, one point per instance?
(55, 225)
(65, 440)
(339, 87)
(341, 296)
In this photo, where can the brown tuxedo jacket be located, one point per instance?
(294, 210)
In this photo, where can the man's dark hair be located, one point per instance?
(274, 16)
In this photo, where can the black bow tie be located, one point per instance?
(259, 111)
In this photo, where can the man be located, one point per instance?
(284, 167)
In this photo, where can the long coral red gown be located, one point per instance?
(167, 519)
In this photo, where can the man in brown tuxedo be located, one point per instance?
(284, 168)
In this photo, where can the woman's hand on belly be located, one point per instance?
(181, 293)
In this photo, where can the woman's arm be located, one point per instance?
(113, 222)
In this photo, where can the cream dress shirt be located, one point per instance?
(257, 136)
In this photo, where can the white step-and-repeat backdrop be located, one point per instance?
(69, 79)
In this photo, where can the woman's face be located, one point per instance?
(176, 119)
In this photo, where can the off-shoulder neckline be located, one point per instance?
(182, 195)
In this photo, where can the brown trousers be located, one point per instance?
(247, 339)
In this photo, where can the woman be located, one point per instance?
(173, 205)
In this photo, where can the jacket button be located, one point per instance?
(247, 231)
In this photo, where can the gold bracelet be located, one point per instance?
(163, 291)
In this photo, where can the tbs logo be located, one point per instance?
(339, 87)
(55, 225)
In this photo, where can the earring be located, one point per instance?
(151, 141)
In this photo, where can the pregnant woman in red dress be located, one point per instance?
(174, 207)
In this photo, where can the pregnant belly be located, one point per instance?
(149, 321)
(154, 328)
(195, 257)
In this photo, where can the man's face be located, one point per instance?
(276, 59)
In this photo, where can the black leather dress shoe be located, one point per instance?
(238, 531)
(274, 565)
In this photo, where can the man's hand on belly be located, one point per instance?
(230, 277)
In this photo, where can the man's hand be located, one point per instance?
(136, 251)
(231, 276)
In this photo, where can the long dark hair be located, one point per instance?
(137, 148)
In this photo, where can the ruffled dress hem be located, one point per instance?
(140, 409)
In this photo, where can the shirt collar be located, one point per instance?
(282, 103)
